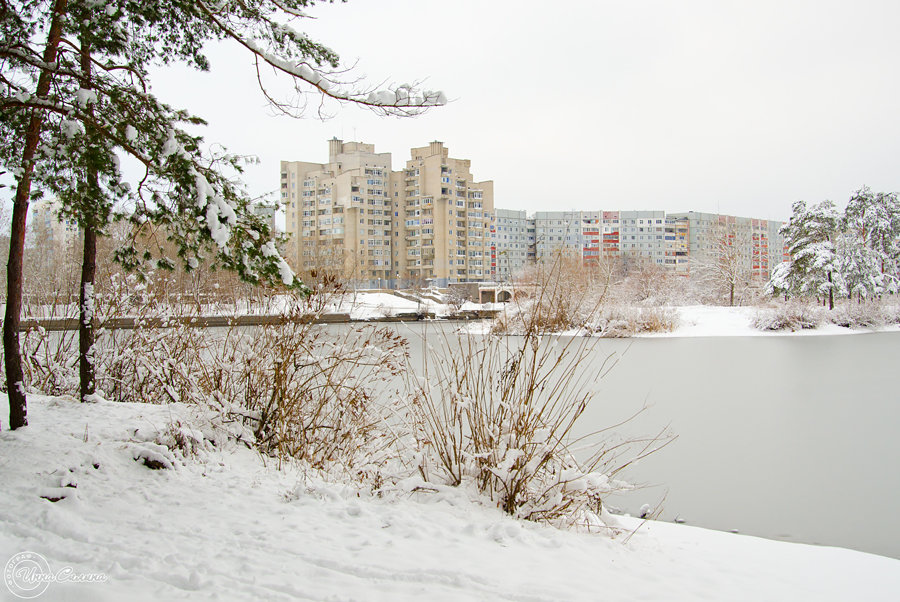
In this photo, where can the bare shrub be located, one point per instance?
(563, 295)
(864, 314)
(499, 413)
(791, 316)
(305, 391)
(299, 390)
(51, 361)
(617, 321)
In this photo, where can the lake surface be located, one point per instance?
(786, 437)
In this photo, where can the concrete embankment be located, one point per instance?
(56, 324)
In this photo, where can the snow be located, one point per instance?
(85, 97)
(380, 305)
(693, 320)
(286, 273)
(715, 321)
(226, 524)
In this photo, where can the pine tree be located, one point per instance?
(809, 236)
(873, 220)
(72, 104)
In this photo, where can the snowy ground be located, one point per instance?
(693, 320)
(227, 526)
(715, 321)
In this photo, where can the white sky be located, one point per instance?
(707, 105)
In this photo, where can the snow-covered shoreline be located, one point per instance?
(692, 320)
(716, 321)
(228, 525)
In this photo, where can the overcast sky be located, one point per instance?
(735, 107)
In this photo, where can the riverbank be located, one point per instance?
(716, 321)
(689, 321)
(225, 524)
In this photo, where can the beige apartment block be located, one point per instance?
(50, 228)
(338, 214)
(444, 221)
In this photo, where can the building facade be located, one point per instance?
(432, 224)
(445, 220)
(338, 214)
(758, 243)
(576, 232)
(49, 227)
(514, 243)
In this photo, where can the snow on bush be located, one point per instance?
(153, 456)
(852, 314)
(294, 389)
(617, 321)
(791, 316)
(497, 414)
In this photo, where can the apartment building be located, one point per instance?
(514, 242)
(678, 242)
(760, 245)
(576, 231)
(49, 227)
(642, 236)
(444, 220)
(431, 223)
(338, 214)
(668, 240)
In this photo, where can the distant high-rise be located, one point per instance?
(50, 227)
(431, 223)
(338, 213)
(445, 220)
(514, 242)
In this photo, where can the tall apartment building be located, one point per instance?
(576, 231)
(667, 240)
(444, 220)
(514, 242)
(339, 213)
(642, 236)
(429, 223)
(49, 227)
(761, 246)
(678, 245)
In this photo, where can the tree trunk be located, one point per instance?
(86, 304)
(12, 354)
(830, 293)
(86, 315)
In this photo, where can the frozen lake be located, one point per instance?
(791, 438)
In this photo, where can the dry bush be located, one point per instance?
(50, 361)
(300, 390)
(618, 322)
(793, 316)
(499, 413)
(559, 296)
(857, 315)
(307, 392)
